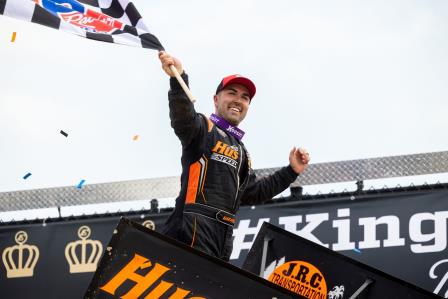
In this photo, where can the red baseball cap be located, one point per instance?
(237, 79)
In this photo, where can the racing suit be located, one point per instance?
(216, 177)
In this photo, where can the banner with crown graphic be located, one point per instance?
(55, 260)
(27, 256)
(141, 263)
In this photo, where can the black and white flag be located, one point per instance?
(114, 21)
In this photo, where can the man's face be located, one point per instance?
(232, 103)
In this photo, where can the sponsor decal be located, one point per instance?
(226, 150)
(225, 125)
(336, 293)
(234, 131)
(224, 159)
(222, 152)
(228, 219)
(77, 14)
(142, 282)
(301, 278)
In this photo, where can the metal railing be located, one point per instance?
(168, 187)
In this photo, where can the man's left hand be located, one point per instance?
(299, 159)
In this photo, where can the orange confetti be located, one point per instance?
(135, 137)
(13, 38)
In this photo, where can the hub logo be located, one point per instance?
(78, 15)
(222, 152)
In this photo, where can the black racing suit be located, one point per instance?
(216, 178)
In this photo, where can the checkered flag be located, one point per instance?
(114, 21)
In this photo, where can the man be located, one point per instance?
(216, 167)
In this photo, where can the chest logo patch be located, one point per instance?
(222, 152)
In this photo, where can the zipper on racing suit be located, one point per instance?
(243, 152)
(238, 178)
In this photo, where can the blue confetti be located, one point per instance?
(80, 184)
(63, 133)
(27, 175)
(357, 250)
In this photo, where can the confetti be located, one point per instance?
(356, 250)
(63, 133)
(27, 175)
(80, 184)
(13, 38)
(135, 138)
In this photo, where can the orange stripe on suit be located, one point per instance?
(210, 125)
(193, 182)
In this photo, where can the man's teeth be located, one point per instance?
(235, 109)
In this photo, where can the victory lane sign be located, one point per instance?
(141, 263)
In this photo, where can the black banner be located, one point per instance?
(314, 271)
(57, 259)
(141, 263)
(374, 229)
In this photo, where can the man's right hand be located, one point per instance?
(167, 60)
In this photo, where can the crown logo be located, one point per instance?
(83, 255)
(20, 259)
(149, 224)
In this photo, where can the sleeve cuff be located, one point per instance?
(292, 174)
(174, 84)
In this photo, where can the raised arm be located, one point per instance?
(263, 189)
(184, 119)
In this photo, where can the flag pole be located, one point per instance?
(182, 83)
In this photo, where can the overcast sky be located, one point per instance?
(345, 79)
